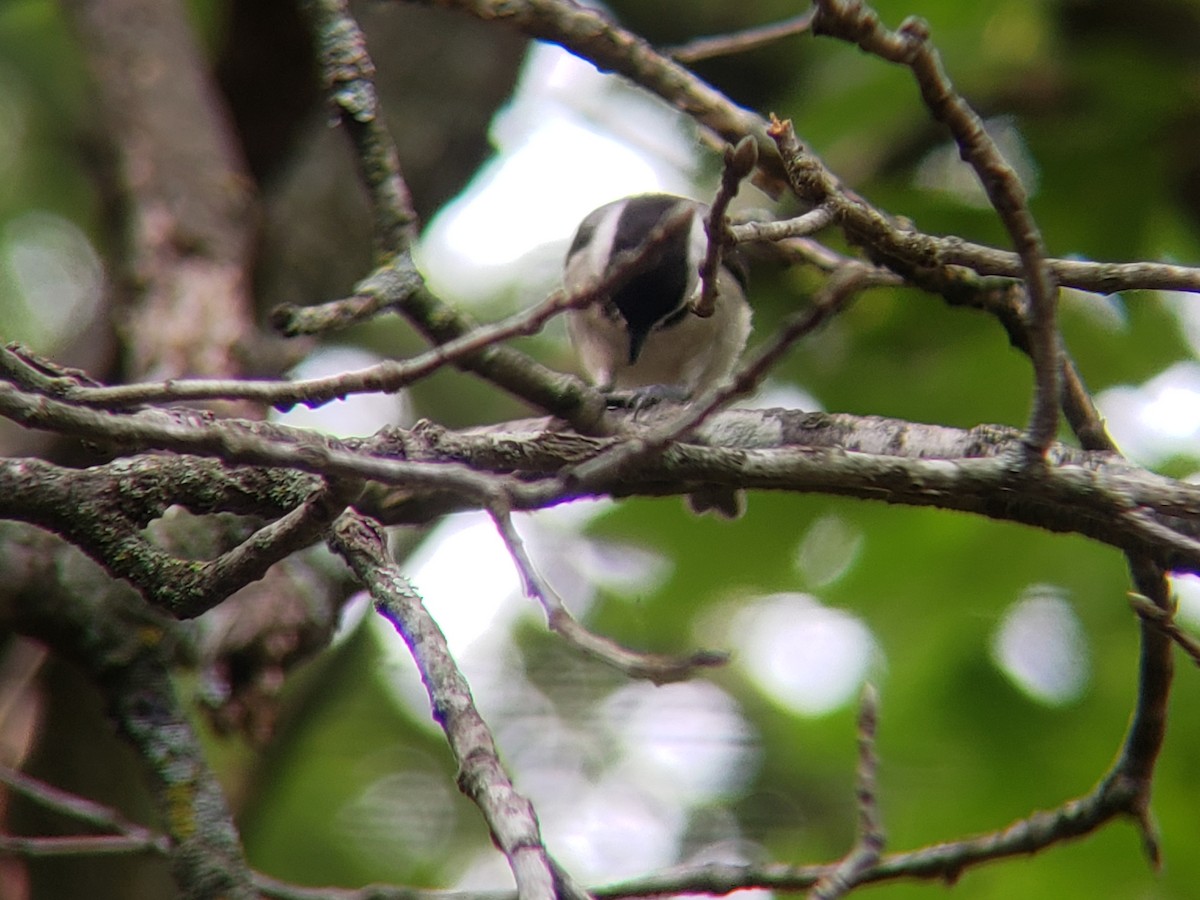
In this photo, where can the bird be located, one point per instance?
(644, 337)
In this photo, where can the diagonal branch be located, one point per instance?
(739, 163)
(349, 74)
(387, 376)
(740, 41)
(128, 650)
(910, 46)
(126, 836)
(481, 776)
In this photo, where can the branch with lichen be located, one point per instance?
(1095, 494)
(129, 650)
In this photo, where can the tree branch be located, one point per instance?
(103, 510)
(481, 776)
(127, 836)
(910, 46)
(128, 649)
(1094, 494)
(740, 41)
(349, 74)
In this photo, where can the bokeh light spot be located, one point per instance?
(1040, 646)
(810, 658)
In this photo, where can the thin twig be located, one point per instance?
(1084, 275)
(82, 845)
(740, 41)
(238, 441)
(1134, 768)
(808, 223)
(591, 34)
(941, 862)
(386, 377)
(275, 889)
(291, 320)
(1098, 277)
(739, 163)
(1165, 621)
(869, 846)
(136, 837)
(658, 668)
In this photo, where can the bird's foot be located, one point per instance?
(640, 399)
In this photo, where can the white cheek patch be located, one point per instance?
(680, 350)
(697, 250)
(589, 262)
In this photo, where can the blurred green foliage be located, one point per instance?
(1108, 105)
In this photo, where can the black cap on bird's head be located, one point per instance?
(659, 294)
(657, 291)
(654, 245)
(656, 294)
(652, 295)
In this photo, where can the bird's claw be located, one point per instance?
(640, 399)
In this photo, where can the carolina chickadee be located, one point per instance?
(645, 335)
